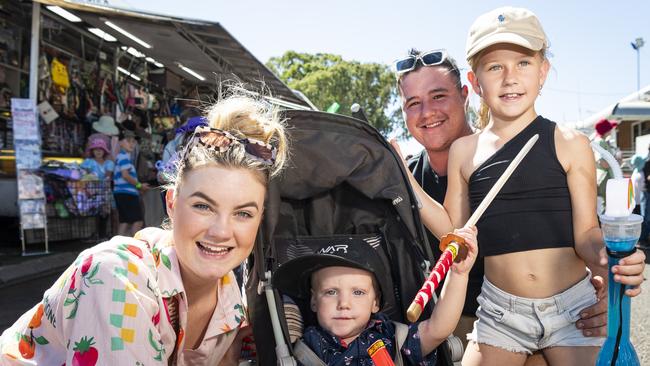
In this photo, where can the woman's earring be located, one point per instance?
(540, 89)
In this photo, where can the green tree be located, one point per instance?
(326, 78)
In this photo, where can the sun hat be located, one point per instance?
(505, 25)
(604, 126)
(293, 278)
(97, 143)
(106, 125)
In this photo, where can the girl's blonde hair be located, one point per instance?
(484, 110)
(245, 117)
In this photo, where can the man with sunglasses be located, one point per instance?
(433, 106)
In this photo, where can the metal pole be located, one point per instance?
(638, 71)
(33, 52)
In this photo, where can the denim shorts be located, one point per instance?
(524, 325)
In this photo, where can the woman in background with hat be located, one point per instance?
(603, 136)
(106, 125)
(106, 129)
(98, 159)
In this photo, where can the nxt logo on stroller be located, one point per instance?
(332, 249)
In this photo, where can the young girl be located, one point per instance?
(98, 161)
(541, 233)
(167, 297)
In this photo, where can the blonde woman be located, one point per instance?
(167, 297)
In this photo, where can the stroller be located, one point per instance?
(345, 185)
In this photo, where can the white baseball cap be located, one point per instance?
(505, 25)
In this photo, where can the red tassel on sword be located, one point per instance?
(451, 244)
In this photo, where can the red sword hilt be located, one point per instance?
(453, 249)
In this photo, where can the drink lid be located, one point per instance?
(630, 219)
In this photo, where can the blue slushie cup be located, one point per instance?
(621, 235)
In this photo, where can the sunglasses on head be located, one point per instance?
(221, 141)
(430, 58)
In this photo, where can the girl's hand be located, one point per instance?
(469, 234)
(629, 271)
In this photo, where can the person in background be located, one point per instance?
(98, 160)
(638, 180)
(126, 187)
(190, 119)
(645, 227)
(605, 139)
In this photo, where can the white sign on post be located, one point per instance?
(25, 123)
(27, 144)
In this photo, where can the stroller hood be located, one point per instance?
(329, 150)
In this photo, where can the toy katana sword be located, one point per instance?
(453, 246)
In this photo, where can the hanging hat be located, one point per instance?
(97, 143)
(604, 126)
(106, 125)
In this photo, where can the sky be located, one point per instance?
(593, 63)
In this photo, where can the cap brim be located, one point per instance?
(532, 43)
(293, 277)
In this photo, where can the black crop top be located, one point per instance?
(533, 209)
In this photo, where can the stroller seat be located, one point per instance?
(345, 187)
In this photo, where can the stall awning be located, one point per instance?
(632, 111)
(201, 46)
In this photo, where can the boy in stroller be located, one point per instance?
(344, 290)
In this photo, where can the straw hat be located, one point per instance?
(106, 125)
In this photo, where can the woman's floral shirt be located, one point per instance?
(112, 307)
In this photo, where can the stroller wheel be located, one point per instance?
(455, 348)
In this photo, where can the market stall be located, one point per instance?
(93, 70)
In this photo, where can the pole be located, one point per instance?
(638, 72)
(33, 51)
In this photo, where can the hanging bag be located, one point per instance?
(60, 76)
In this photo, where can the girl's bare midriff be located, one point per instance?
(536, 273)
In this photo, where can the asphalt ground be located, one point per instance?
(640, 321)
